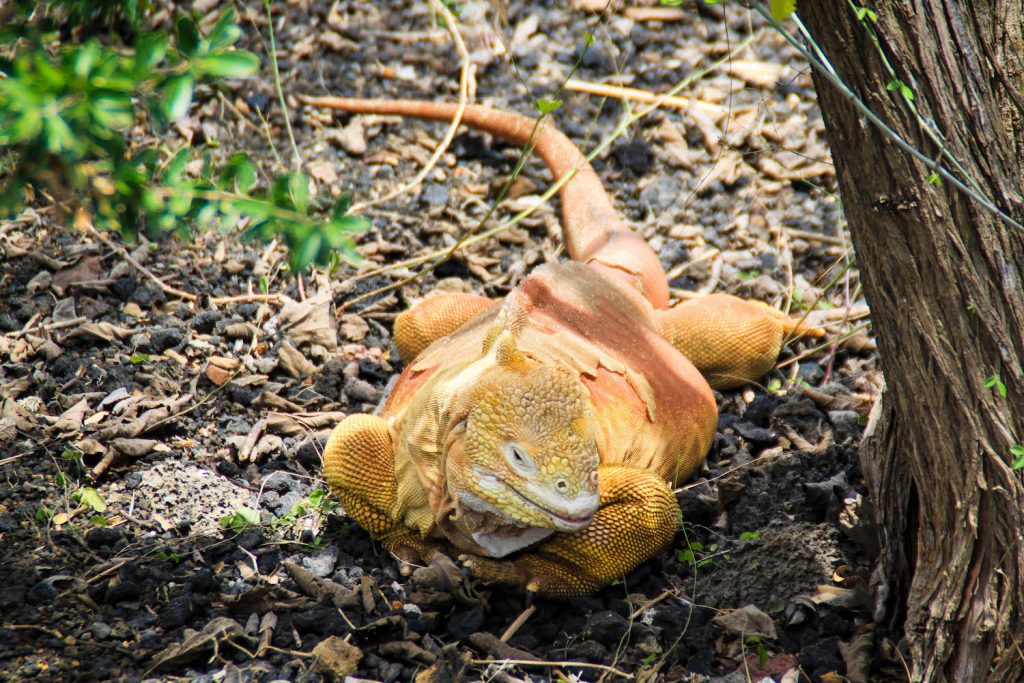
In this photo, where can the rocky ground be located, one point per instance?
(162, 514)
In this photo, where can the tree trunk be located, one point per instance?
(943, 277)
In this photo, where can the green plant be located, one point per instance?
(750, 535)
(316, 502)
(695, 554)
(762, 650)
(1017, 452)
(89, 497)
(240, 520)
(996, 382)
(67, 117)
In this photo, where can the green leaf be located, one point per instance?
(305, 252)
(225, 33)
(547, 105)
(750, 535)
(781, 9)
(178, 95)
(91, 497)
(150, 49)
(934, 179)
(59, 136)
(1018, 456)
(229, 64)
(866, 13)
(85, 58)
(138, 358)
(113, 111)
(995, 381)
(188, 35)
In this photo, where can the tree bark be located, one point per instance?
(944, 280)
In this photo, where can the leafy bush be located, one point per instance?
(67, 114)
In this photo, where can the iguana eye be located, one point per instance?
(518, 458)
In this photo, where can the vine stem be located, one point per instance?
(877, 121)
(296, 157)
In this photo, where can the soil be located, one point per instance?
(159, 514)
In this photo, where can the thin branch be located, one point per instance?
(297, 159)
(877, 121)
(645, 96)
(464, 74)
(123, 253)
(567, 665)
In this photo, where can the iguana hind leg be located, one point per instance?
(359, 466)
(732, 341)
(637, 519)
(434, 317)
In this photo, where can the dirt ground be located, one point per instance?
(161, 507)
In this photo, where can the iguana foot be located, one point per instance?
(732, 341)
(434, 317)
(359, 466)
(637, 519)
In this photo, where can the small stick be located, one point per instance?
(656, 13)
(517, 624)
(464, 76)
(647, 97)
(245, 299)
(568, 665)
(167, 289)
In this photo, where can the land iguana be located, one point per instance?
(538, 437)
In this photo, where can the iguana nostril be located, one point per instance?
(562, 485)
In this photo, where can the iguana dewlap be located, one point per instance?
(539, 437)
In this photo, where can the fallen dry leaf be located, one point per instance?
(311, 321)
(293, 362)
(354, 328)
(746, 621)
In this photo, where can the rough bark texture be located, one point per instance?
(944, 280)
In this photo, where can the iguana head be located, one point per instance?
(525, 450)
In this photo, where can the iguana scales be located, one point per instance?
(539, 437)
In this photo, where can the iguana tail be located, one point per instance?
(592, 230)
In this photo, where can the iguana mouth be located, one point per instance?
(562, 521)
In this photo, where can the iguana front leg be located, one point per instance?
(732, 341)
(637, 518)
(359, 465)
(434, 317)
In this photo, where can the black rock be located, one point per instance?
(751, 432)
(701, 662)
(761, 408)
(123, 287)
(100, 536)
(607, 627)
(250, 539)
(325, 620)
(588, 651)
(812, 373)
(308, 454)
(177, 611)
(820, 657)
(229, 468)
(465, 621)
(124, 591)
(147, 295)
(204, 321)
(164, 338)
(203, 581)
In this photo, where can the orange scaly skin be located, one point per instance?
(538, 437)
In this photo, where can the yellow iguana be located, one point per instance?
(539, 437)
